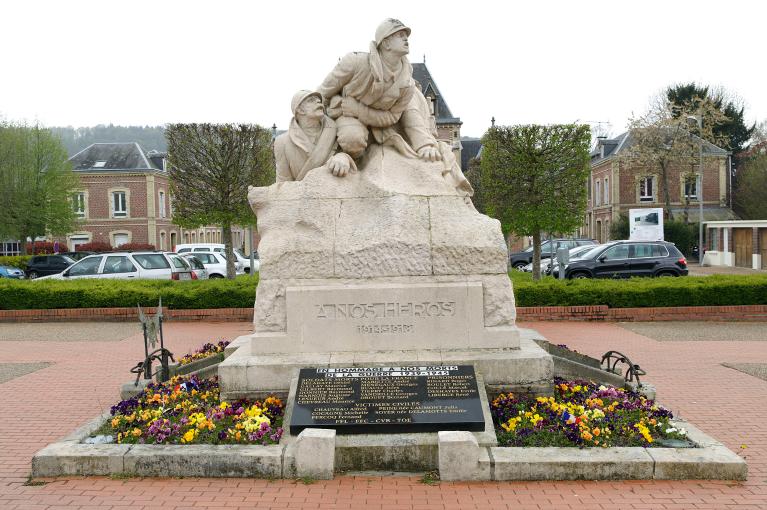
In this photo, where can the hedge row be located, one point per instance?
(85, 293)
(19, 261)
(714, 290)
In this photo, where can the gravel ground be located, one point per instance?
(755, 369)
(699, 331)
(68, 331)
(10, 371)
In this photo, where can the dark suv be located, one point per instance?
(624, 259)
(520, 259)
(44, 265)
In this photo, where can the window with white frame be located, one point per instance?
(646, 189)
(119, 204)
(78, 204)
(691, 186)
(607, 191)
(598, 196)
(161, 204)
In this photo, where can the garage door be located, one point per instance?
(763, 246)
(742, 238)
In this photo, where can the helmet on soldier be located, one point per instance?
(388, 27)
(299, 97)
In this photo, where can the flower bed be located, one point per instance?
(583, 414)
(188, 411)
(207, 350)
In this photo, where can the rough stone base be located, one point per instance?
(407, 452)
(243, 374)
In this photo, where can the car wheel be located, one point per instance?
(666, 274)
(213, 276)
(32, 275)
(519, 266)
(579, 276)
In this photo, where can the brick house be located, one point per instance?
(125, 198)
(615, 186)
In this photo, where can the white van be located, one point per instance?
(241, 261)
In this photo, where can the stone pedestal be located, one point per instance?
(386, 265)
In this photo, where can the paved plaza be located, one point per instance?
(55, 377)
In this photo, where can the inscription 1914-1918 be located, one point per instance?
(388, 399)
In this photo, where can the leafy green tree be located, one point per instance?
(37, 184)
(534, 179)
(751, 192)
(211, 167)
(729, 128)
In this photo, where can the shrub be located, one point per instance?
(96, 246)
(96, 293)
(715, 290)
(136, 247)
(44, 247)
(19, 261)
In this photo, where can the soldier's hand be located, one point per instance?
(338, 166)
(429, 153)
(350, 107)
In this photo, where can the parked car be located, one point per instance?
(77, 255)
(215, 263)
(11, 272)
(520, 259)
(44, 265)
(219, 248)
(153, 265)
(624, 259)
(198, 267)
(552, 266)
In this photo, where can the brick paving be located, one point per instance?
(42, 406)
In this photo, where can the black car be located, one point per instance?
(43, 265)
(624, 259)
(520, 259)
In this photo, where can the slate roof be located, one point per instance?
(614, 146)
(469, 149)
(422, 75)
(105, 157)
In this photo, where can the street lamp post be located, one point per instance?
(699, 120)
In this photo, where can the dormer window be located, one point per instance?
(99, 164)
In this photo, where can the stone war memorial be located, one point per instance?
(385, 316)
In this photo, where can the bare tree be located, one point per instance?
(665, 138)
(211, 167)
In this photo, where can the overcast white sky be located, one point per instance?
(138, 62)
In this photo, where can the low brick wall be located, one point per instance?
(124, 314)
(524, 314)
(672, 313)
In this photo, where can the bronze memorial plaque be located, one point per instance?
(363, 400)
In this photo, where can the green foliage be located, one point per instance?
(683, 235)
(19, 261)
(77, 139)
(729, 129)
(533, 176)
(533, 179)
(37, 183)
(715, 290)
(211, 168)
(620, 228)
(85, 293)
(750, 200)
